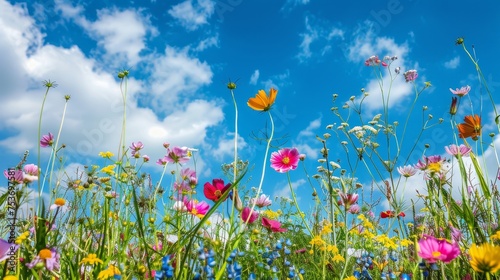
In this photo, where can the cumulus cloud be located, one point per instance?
(452, 63)
(95, 110)
(319, 33)
(193, 15)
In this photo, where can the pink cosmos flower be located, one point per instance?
(455, 150)
(14, 176)
(177, 155)
(7, 250)
(354, 209)
(49, 257)
(47, 140)
(410, 75)
(189, 176)
(272, 225)
(215, 190)
(145, 158)
(30, 172)
(247, 217)
(285, 160)
(135, 148)
(433, 249)
(407, 171)
(198, 209)
(182, 187)
(461, 92)
(262, 201)
(162, 161)
(180, 206)
(347, 199)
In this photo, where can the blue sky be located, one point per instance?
(181, 54)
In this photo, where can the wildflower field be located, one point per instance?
(113, 220)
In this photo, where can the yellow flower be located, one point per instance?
(327, 228)
(338, 258)
(10, 277)
(496, 235)
(91, 259)
(332, 248)
(405, 242)
(109, 272)
(109, 169)
(317, 241)
(271, 214)
(262, 101)
(107, 154)
(351, 278)
(485, 257)
(380, 265)
(22, 237)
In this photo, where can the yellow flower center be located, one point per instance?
(218, 193)
(45, 254)
(60, 202)
(434, 167)
(286, 160)
(436, 254)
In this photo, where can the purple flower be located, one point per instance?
(162, 161)
(7, 250)
(177, 155)
(462, 91)
(135, 148)
(410, 75)
(14, 176)
(455, 150)
(48, 257)
(30, 172)
(47, 140)
(189, 176)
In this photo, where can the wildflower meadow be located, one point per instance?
(113, 220)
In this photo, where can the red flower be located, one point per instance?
(273, 225)
(391, 214)
(470, 128)
(215, 190)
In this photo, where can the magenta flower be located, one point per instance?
(407, 171)
(198, 209)
(455, 150)
(50, 258)
(249, 216)
(410, 75)
(272, 225)
(182, 187)
(177, 155)
(47, 140)
(7, 250)
(285, 160)
(145, 158)
(262, 201)
(189, 176)
(14, 176)
(354, 209)
(162, 161)
(461, 92)
(215, 190)
(433, 249)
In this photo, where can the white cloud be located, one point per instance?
(94, 112)
(207, 43)
(452, 63)
(309, 131)
(317, 32)
(364, 45)
(284, 191)
(291, 4)
(175, 73)
(255, 77)
(225, 147)
(191, 15)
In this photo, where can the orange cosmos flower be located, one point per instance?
(262, 101)
(470, 128)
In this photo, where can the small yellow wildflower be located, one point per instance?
(405, 242)
(332, 248)
(351, 278)
(317, 241)
(22, 237)
(91, 259)
(271, 214)
(327, 228)
(107, 154)
(109, 272)
(10, 277)
(109, 169)
(338, 258)
(496, 236)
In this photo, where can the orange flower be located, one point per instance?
(470, 128)
(262, 101)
